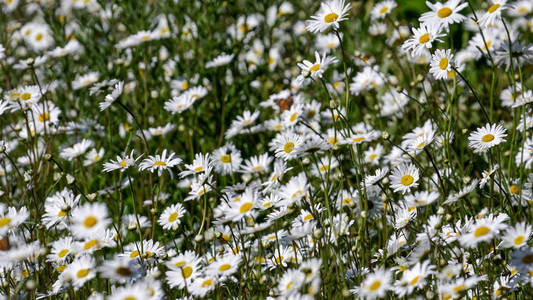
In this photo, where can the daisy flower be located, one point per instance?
(120, 269)
(227, 159)
(423, 38)
(89, 219)
(183, 269)
(444, 14)
(257, 164)
(485, 229)
(331, 12)
(110, 98)
(76, 150)
(122, 163)
(85, 80)
(81, 270)
(149, 249)
(404, 177)
(486, 137)
(382, 9)
(57, 208)
(316, 69)
(130, 292)
(522, 260)
(441, 64)
(375, 285)
(414, 278)
(93, 156)
(517, 236)
(221, 60)
(419, 199)
(201, 164)
(11, 218)
(170, 218)
(291, 282)
(180, 103)
(286, 145)
(61, 250)
(159, 162)
(28, 94)
(202, 285)
(224, 266)
(493, 14)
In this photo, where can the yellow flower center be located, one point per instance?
(358, 139)
(246, 207)
(25, 96)
(314, 68)
(90, 221)
(444, 12)
(375, 285)
(519, 240)
(481, 231)
(459, 288)
(308, 217)
(160, 163)
(527, 259)
(443, 63)
(173, 216)
(487, 138)
(515, 189)
(134, 254)
(373, 156)
(384, 10)
(424, 38)
(123, 163)
(493, 8)
(39, 37)
(331, 17)
(289, 146)
(130, 298)
(224, 267)
(144, 38)
(293, 117)
(62, 253)
(186, 272)
(415, 280)
(207, 282)
(225, 158)
(90, 244)
(44, 117)
(82, 273)
(5, 221)
(420, 145)
(407, 180)
(123, 271)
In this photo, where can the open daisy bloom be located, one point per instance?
(486, 137)
(331, 12)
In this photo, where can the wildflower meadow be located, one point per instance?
(266, 149)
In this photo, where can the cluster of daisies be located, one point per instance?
(181, 150)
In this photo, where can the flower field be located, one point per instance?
(266, 149)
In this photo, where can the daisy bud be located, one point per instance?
(263, 279)
(430, 295)
(156, 274)
(506, 153)
(198, 238)
(440, 211)
(30, 61)
(376, 107)
(346, 293)
(1, 193)
(385, 180)
(306, 161)
(30, 284)
(57, 175)
(419, 78)
(246, 177)
(385, 135)
(91, 196)
(2, 148)
(357, 53)
(464, 131)
(70, 179)
(317, 234)
(153, 211)
(383, 197)
(48, 156)
(333, 104)
(27, 176)
(448, 217)
(412, 84)
(363, 214)
(154, 94)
